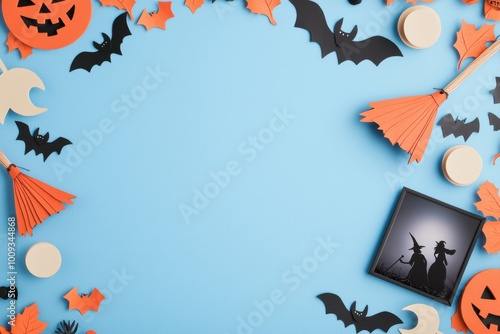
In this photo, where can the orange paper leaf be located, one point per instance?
(388, 2)
(84, 302)
(193, 4)
(470, 2)
(492, 232)
(3, 330)
(120, 4)
(14, 43)
(489, 204)
(263, 7)
(27, 322)
(458, 323)
(157, 19)
(471, 42)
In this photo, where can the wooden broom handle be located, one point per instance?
(4, 161)
(483, 57)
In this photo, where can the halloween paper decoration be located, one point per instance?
(489, 203)
(408, 121)
(15, 86)
(494, 121)
(480, 303)
(354, 2)
(496, 92)
(388, 2)
(264, 7)
(360, 320)
(47, 24)
(457, 322)
(84, 302)
(87, 60)
(491, 231)
(457, 128)
(14, 43)
(471, 42)
(157, 19)
(66, 327)
(462, 165)
(428, 320)
(311, 18)
(26, 322)
(120, 4)
(34, 200)
(193, 5)
(39, 143)
(6, 292)
(491, 10)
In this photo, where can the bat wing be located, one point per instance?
(119, 32)
(55, 146)
(467, 129)
(447, 123)
(375, 49)
(382, 321)
(94, 300)
(26, 137)
(494, 120)
(310, 17)
(87, 60)
(335, 305)
(74, 300)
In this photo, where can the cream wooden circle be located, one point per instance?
(462, 165)
(419, 27)
(43, 260)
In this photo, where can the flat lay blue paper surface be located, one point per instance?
(222, 175)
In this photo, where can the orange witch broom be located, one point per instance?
(34, 200)
(408, 121)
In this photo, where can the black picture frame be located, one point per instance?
(448, 235)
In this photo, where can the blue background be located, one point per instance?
(325, 177)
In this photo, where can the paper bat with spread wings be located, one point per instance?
(38, 143)
(457, 127)
(87, 60)
(360, 320)
(311, 18)
(84, 303)
(157, 19)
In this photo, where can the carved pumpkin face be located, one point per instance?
(47, 24)
(480, 304)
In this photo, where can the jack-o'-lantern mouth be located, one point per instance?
(491, 321)
(48, 27)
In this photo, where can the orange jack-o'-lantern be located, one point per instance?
(480, 304)
(47, 24)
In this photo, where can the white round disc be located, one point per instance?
(43, 260)
(419, 27)
(462, 165)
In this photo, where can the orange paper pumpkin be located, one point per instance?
(480, 303)
(47, 24)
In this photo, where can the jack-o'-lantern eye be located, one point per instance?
(47, 24)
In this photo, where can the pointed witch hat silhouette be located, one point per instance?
(415, 244)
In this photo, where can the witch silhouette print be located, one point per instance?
(426, 246)
(437, 271)
(417, 276)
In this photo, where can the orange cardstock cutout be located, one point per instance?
(491, 12)
(84, 303)
(471, 42)
(157, 19)
(26, 322)
(120, 4)
(481, 300)
(47, 24)
(14, 43)
(264, 7)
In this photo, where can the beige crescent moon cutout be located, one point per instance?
(43, 260)
(462, 165)
(419, 27)
(427, 320)
(15, 87)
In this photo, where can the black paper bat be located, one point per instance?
(310, 17)
(360, 320)
(38, 143)
(494, 120)
(457, 128)
(87, 60)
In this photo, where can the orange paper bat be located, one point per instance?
(14, 43)
(84, 303)
(157, 19)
